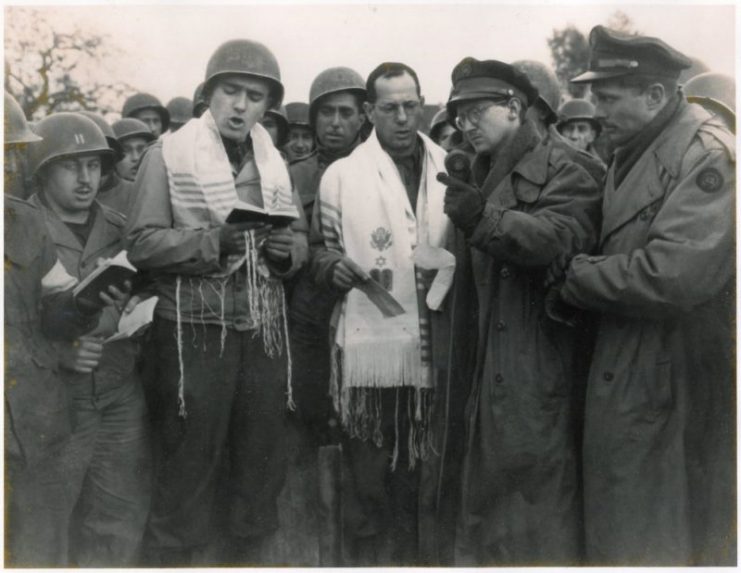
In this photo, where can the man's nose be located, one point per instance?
(83, 174)
(240, 102)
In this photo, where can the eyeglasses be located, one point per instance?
(409, 107)
(473, 115)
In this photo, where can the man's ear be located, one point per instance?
(369, 110)
(655, 95)
(515, 108)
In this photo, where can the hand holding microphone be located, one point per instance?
(464, 203)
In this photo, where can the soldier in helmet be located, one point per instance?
(38, 302)
(107, 460)
(716, 93)
(221, 382)
(133, 137)
(114, 191)
(659, 476)
(181, 111)
(544, 115)
(300, 133)
(199, 104)
(525, 204)
(147, 108)
(577, 124)
(15, 153)
(336, 112)
(443, 132)
(276, 124)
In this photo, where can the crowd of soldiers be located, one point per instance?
(511, 349)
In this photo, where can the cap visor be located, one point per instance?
(587, 77)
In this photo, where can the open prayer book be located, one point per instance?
(278, 217)
(131, 323)
(115, 271)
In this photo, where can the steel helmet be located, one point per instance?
(714, 91)
(438, 121)
(199, 102)
(106, 129)
(248, 58)
(281, 118)
(334, 80)
(141, 101)
(131, 127)
(180, 109)
(68, 134)
(298, 114)
(543, 78)
(575, 110)
(16, 126)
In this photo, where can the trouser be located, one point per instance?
(107, 470)
(235, 405)
(36, 514)
(380, 504)
(311, 367)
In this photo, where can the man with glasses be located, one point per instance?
(526, 203)
(373, 209)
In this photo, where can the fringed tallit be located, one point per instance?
(366, 215)
(202, 194)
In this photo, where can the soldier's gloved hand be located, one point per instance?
(231, 236)
(347, 274)
(464, 203)
(279, 243)
(556, 272)
(83, 355)
(556, 309)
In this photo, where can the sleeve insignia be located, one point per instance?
(710, 180)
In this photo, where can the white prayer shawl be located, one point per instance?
(366, 215)
(202, 187)
(203, 192)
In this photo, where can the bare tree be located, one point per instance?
(570, 53)
(50, 70)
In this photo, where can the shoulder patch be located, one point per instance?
(709, 180)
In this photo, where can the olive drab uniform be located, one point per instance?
(521, 500)
(659, 481)
(37, 414)
(107, 462)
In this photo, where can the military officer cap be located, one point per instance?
(614, 55)
(480, 79)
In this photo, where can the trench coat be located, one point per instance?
(659, 431)
(520, 491)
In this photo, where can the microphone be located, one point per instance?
(458, 165)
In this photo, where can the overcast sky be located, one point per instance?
(166, 47)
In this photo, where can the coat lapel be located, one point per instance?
(646, 182)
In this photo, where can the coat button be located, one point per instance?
(501, 325)
(504, 273)
(608, 376)
(499, 378)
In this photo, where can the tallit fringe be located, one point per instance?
(181, 381)
(361, 414)
(381, 364)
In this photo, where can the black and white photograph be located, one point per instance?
(381, 285)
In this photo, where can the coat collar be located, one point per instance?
(102, 234)
(643, 184)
